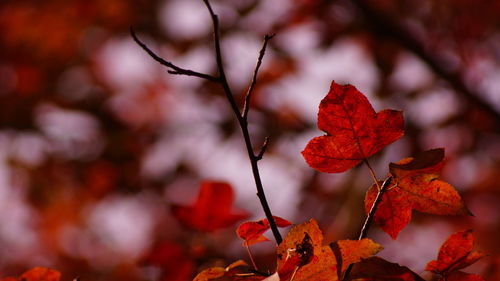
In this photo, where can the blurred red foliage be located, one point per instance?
(97, 142)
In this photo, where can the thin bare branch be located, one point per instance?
(262, 149)
(262, 52)
(175, 69)
(243, 125)
(221, 79)
(220, 63)
(369, 218)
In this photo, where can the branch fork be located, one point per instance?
(241, 115)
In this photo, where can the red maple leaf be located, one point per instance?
(456, 253)
(354, 131)
(212, 210)
(416, 187)
(251, 231)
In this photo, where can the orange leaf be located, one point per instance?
(418, 177)
(354, 131)
(251, 231)
(303, 256)
(237, 271)
(212, 209)
(455, 253)
(354, 251)
(417, 187)
(378, 269)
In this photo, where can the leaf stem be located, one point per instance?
(251, 257)
(369, 218)
(372, 172)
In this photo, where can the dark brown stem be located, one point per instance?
(175, 69)
(371, 214)
(369, 218)
(246, 106)
(243, 125)
(242, 118)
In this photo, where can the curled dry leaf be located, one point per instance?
(302, 255)
(417, 187)
(212, 210)
(354, 131)
(456, 253)
(251, 231)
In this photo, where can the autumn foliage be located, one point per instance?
(355, 132)
(113, 169)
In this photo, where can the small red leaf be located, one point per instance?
(354, 131)
(393, 212)
(212, 209)
(252, 231)
(455, 253)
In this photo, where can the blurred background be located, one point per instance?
(97, 140)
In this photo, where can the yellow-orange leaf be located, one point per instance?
(354, 251)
